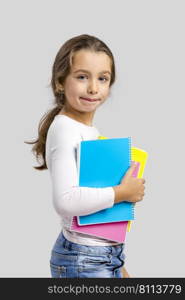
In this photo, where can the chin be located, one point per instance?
(87, 110)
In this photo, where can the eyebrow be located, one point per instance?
(85, 71)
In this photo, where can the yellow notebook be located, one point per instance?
(140, 156)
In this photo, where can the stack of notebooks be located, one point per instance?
(103, 163)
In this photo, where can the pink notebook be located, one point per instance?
(110, 231)
(115, 231)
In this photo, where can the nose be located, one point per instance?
(92, 87)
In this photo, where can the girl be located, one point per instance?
(82, 75)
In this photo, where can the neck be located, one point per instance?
(83, 117)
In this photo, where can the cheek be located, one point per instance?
(106, 92)
(72, 92)
(75, 89)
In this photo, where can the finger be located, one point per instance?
(132, 168)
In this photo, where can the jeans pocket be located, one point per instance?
(58, 271)
(94, 261)
(95, 266)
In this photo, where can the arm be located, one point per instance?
(68, 197)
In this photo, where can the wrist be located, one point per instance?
(121, 193)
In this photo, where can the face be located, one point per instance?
(87, 85)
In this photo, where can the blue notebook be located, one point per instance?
(103, 163)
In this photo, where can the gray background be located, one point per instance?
(146, 103)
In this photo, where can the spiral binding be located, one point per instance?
(130, 157)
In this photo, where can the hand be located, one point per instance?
(125, 273)
(133, 187)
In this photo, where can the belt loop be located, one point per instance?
(64, 243)
(67, 244)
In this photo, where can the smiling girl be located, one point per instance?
(82, 75)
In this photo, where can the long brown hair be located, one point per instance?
(60, 70)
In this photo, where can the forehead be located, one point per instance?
(92, 61)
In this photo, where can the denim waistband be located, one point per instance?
(97, 250)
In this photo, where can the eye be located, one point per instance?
(80, 76)
(106, 79)
(83, 76)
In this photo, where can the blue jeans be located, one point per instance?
(72, 260)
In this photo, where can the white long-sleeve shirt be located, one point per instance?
(69, 199)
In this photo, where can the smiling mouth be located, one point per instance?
(89, 99)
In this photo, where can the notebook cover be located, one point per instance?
(103, 163)
(110, 231)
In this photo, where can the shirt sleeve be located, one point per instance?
(68, 198)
